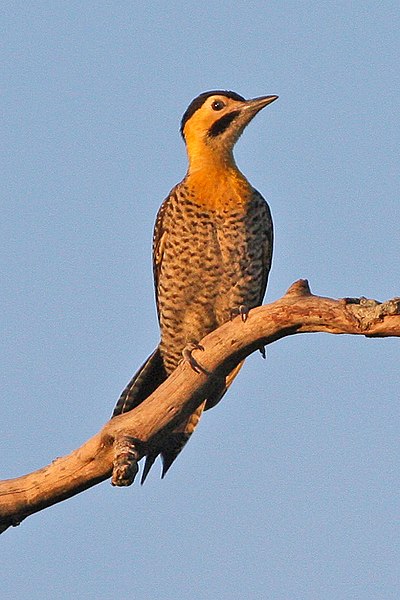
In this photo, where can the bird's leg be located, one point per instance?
(241, 310)
(189, 358)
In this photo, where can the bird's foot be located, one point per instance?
(241, 310)
(263, 352)
(189, 358)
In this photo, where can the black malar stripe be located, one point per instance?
(222, 124)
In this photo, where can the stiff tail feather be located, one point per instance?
(172, 445)
(216, 397)
(145, 381)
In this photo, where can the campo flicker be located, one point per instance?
(212, 252)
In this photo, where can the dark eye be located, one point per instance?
(217, 105)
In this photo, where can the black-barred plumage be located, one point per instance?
(212, 251)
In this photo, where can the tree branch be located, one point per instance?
(123, 440)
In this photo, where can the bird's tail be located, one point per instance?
(145, 381)
(216, 397)
(172, 446)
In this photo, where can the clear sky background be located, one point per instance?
(289, 489)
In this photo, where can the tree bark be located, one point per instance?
(123, 440)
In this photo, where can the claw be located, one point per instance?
(189, 358)
(244, 312)
(241, 310)
(263, 352)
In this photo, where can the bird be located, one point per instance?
(212, 253)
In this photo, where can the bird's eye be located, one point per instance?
(217, 105)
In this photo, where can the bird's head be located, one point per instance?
(214, 121)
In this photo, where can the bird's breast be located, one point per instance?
(212, 263)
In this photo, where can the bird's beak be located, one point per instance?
(256, 104)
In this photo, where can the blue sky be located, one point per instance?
(290, 487)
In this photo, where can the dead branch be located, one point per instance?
(123, 440)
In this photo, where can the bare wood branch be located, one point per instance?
(298, 311)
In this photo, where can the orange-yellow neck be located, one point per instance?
(218, 189)
(215, 180)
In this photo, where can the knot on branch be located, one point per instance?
(368, 311)
(125, 461)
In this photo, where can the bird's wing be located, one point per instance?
(152, 373)
(159, 241)
(268, 234)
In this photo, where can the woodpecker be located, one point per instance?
(212, 252)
